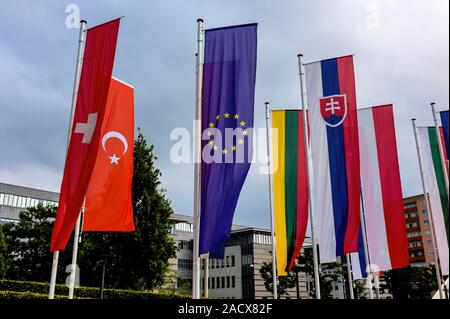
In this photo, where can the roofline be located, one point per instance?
(31, 188)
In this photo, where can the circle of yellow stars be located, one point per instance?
(240, 141)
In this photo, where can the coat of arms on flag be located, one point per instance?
(333, 109)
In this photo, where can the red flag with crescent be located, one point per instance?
(108, 199)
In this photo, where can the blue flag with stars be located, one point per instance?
(228, 93)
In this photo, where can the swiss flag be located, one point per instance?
(108, 198)
(98, 62)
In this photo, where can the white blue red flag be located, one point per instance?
(381, 191)
(334, 144)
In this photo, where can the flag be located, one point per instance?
(108, 199)
(358, 259)
(334, 145)
(444, 120)
(435, 184)
(229, 74)
(95, 78)
(290, 186)
(381, 190)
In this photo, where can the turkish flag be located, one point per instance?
(84, 142)
(108, 199)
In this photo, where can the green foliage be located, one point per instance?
(360, 289)
(410, 282)
(3, 253)
(284, 282)
(328, 274)
(5, 295)
(38, 289)
(136, 260)
(28, 245)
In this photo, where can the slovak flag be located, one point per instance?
(331, 102)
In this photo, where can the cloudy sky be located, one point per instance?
(401, 56)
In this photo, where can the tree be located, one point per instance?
(328, 274)
(360, 288)
(28, 245)
(410, 282)
(137, 260)
(3, 252)
(284, 282)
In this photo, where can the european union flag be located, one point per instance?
(229, 74)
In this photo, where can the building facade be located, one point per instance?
(238, 274)
(420, 245)
(15, 199)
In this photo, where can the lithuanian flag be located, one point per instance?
(290, 186)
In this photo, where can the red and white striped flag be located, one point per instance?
(381, 191)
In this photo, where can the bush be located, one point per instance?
(41, 289)
(25, 295)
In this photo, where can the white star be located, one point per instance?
(114, 159)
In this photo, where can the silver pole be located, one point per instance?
(349, 276)
(441, 149)
(272, 217)
(376, 278)
(76, 84)
(309, 172)
(428, 205)
(366, 248)
(206, 279)
(73, 271)
(197, 164)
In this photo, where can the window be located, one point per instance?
(218, 282)
(428, 232)
(425, 212)
(228, 261)
(184, 263)
(431, 253)
(184, 244)
(429, 242)
(184, 227)
(413, 234)
(223, 282)
(222, 263)
(426, 222)
(410, 205)
(2, 197)
(213, 283)
(233, 261)
(233, 281)
(228, 281)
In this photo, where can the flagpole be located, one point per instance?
(73, 271)
(366, 247)
(197, 163)
(441, 149)
(349, 276)
(376, 279)
(81, 42)
(309, 173)
(272, 217)
(428, 205)
(206, 278)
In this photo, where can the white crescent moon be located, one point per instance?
(114, 134)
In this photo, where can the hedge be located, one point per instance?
(25, 295)
(40, 288)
